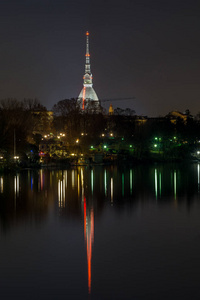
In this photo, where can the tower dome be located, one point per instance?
(87, 92)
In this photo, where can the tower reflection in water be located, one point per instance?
(88, 217)
(89, 237)
(83, 192)
(77, 181)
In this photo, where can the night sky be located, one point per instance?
(146, 49)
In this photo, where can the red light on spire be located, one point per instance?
(87, 33)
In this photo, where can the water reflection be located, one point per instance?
(111, 190)
(131, 181)
(73, 179)
(105, 182)
(89, 238)
(41, 181)
(1, 184)
(156, 183)
(122, 184)
(102, 183)
(61, 193)
(92, 181)
(175, 184)
(81, 194)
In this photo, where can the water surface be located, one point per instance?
(101, 233)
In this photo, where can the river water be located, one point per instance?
(101, 233)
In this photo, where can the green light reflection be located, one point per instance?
(131, 182)
(156, 183)
(92, 181)
(160, 183)
(123, 184)
(175, 184)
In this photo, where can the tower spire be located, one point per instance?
(88, 93)
(87, 55)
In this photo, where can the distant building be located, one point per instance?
(111, 110)
(175, 115)
(88, 93)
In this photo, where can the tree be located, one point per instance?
(16, 116)
(67, 117)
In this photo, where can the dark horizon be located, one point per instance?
(149, 51)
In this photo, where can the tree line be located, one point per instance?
(27, 121)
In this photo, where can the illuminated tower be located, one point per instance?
(88, 93)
